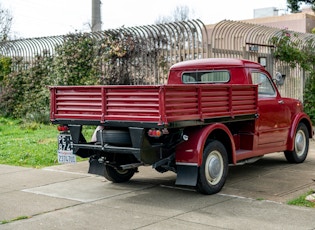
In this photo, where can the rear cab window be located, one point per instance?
(214, 76)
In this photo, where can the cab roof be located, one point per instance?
(213, 63)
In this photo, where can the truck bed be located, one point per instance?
(162, 105)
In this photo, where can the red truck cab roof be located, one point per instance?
(236, 67)
(210, 63)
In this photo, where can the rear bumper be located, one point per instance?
(80, 150)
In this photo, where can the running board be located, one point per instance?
(247, 161)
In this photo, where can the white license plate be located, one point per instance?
(65, 149)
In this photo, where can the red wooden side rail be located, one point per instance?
(160, 103)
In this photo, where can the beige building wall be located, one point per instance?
(302, 22)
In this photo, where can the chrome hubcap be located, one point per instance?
(300, 142)
(214, 169)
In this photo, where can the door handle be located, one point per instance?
(281, 102)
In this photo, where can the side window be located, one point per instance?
(217, 76)
(265, 87)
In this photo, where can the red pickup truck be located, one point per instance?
(212, 113)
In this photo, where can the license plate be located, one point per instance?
(65, 149)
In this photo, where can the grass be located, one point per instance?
(300, 201)
(29, 144)
(15, 219)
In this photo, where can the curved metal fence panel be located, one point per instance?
(253, 42)
(153, 49)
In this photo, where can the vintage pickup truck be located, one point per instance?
(212, 113)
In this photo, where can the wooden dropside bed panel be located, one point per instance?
(160, 104)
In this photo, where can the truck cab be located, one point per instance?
(275, 113)
(280, 124)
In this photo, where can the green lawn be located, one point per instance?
(28, 144)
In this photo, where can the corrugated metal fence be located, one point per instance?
(154, 48)
(159, 46)
(251, 41)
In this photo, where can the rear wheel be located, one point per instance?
(117, 175)
(214, 168)
(301, 144)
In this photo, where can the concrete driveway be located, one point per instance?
(66, 197)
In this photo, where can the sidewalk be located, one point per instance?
(66, 197)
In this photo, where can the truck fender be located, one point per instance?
(300, 117)
(189, 153)
(191, 150)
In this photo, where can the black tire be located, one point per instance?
(301, 145)
(160, 169)
(118, 176)
(214, 168)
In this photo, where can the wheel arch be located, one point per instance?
(300, 118)
(191, 151)
(189, 154)
(226, 138)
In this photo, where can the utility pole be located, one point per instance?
(96, 16)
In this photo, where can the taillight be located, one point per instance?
(62, 128)
(155, 133)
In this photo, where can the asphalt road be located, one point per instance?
(66, 197)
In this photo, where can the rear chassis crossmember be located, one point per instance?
(140, 148)
(85, 149)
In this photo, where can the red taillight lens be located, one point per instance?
(62, 128)
(155, 133)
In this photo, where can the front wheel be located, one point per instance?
(301, 144)
(214, 168)
(117, 175)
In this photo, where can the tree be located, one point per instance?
(180, 13)
(5, 24)
(294, 5)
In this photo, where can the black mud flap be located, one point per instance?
(186, 175)
(96, 167)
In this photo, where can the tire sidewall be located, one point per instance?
(293, 156)
(116, 176)
(203, 185)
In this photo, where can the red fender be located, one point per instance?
(297, 119)
(190, 152)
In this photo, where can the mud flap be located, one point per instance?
(187, 175)
(96, 167)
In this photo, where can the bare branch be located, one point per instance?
(5, 23)
(180, 13)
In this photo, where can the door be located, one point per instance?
(273, 121)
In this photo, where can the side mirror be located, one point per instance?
(279, 78)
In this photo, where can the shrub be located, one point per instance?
(309, 97)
